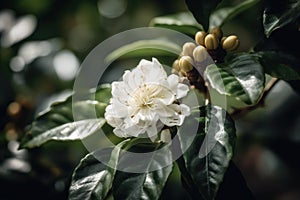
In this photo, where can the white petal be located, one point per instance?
(185, 110)
(173, 82)
(164, 110)
(164, 95)
(175, 120)
(181, 111)
(182, 90)
(152, 130)
(119, 91)
(153, 71)
(118, 108)
(119, 132)
(128, 81)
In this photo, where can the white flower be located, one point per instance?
(146, 100)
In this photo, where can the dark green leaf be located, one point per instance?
(280, 65)
(57, 123)
(183, 22)
(219, 17)
(208, 156)
(152, 171)
(241, 77)
(278, 14)
(234, 185)
(153, 47)
(202, 9)
(92, 179)
(295, 85)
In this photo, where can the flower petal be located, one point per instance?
(182, 90)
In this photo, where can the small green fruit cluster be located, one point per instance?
(208, 45)
(215, 38)
(212, 43)
(189, 55)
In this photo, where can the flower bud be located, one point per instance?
(199, 53)
(217, 32)
(222, 40)
(186, 63)
(165, 136)
(175, 65)
(230, 43)
(199, 37)
(188, 48)
(211, 42)
(182, 74)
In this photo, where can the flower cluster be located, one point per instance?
(146, 100)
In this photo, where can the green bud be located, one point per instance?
(211, 42)
(199, 53)
(231, 43)
(200, 37)
(217, 32)
(188, 48)
(175, 65)
(186, 63)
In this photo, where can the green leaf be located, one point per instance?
(92, 179)
(211, 150)
(202, 9)
(278, 14)
(57, 123)
(234, 185)
(149, 183)
(219, 17)
(153, 47)
(280, 65)
(183, 22)
(241, 77)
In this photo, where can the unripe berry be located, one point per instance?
(182, 73)
(211, 42)
(222, 40)
(200, 37)
(199, 53)
(186, 63)
(230, 43)
(175, 67)
(217, 32)
(188, 48)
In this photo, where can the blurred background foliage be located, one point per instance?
(42, 44)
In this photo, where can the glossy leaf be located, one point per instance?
(241, 77)
(278, 14)
(92, 179)
(234, 185)
(149, 183)
(202, 9)
(219, 17)
(153, 47)
(280, 65)
(57, 123)
(183, 22)
(211, 150)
